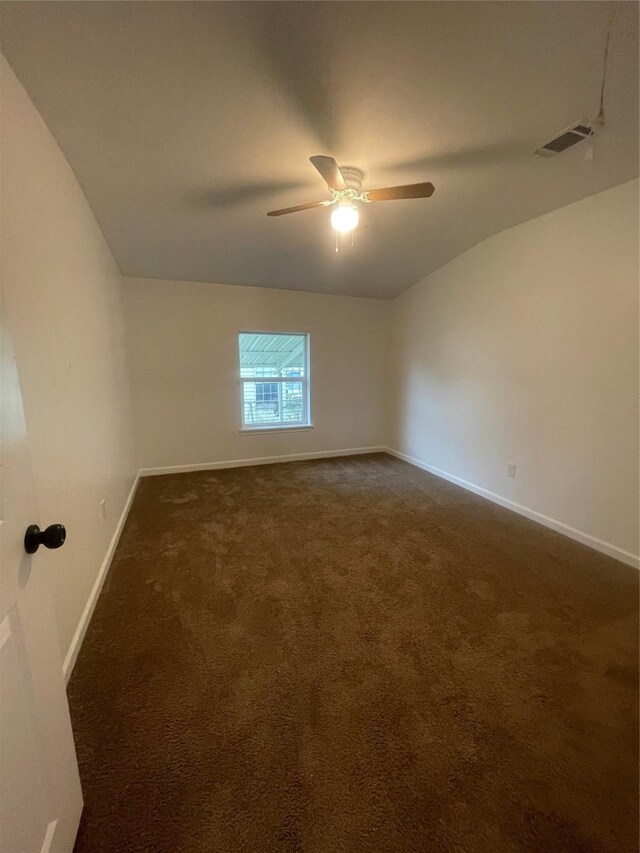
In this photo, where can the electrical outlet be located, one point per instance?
(103, 510)
(511, 469)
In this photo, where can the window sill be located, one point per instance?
(272, 428)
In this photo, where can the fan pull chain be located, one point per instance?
(337, 241)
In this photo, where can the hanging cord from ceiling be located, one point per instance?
(600, 117)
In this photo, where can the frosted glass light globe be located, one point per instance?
(345, 218)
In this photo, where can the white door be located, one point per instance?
(40, 797)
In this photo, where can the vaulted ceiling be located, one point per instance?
(185, 122)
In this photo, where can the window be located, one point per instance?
(266, 392)
(274, 375)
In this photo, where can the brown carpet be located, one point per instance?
(353, 655)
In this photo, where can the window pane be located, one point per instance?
(271, 355)
(292, 407)
(272, 402)
(259, 405)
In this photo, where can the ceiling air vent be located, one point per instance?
(565, 140)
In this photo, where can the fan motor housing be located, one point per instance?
(352, 177)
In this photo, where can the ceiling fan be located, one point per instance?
(345, 185)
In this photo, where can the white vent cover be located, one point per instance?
(566, 139)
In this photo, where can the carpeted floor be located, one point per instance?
(354, 655)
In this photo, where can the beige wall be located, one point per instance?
(62, 295)
(182, 339)
(525, 349)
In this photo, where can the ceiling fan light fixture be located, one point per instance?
(345, 218)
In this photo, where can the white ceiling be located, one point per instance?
(185, 122)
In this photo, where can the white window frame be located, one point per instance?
(305, 423)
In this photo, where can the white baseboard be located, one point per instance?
(559, 526)
(87, 613)
(258, 460)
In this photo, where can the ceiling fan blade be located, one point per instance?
(407, 191)
(330, 171)
(297, 208)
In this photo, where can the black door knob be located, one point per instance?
(52, 537)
